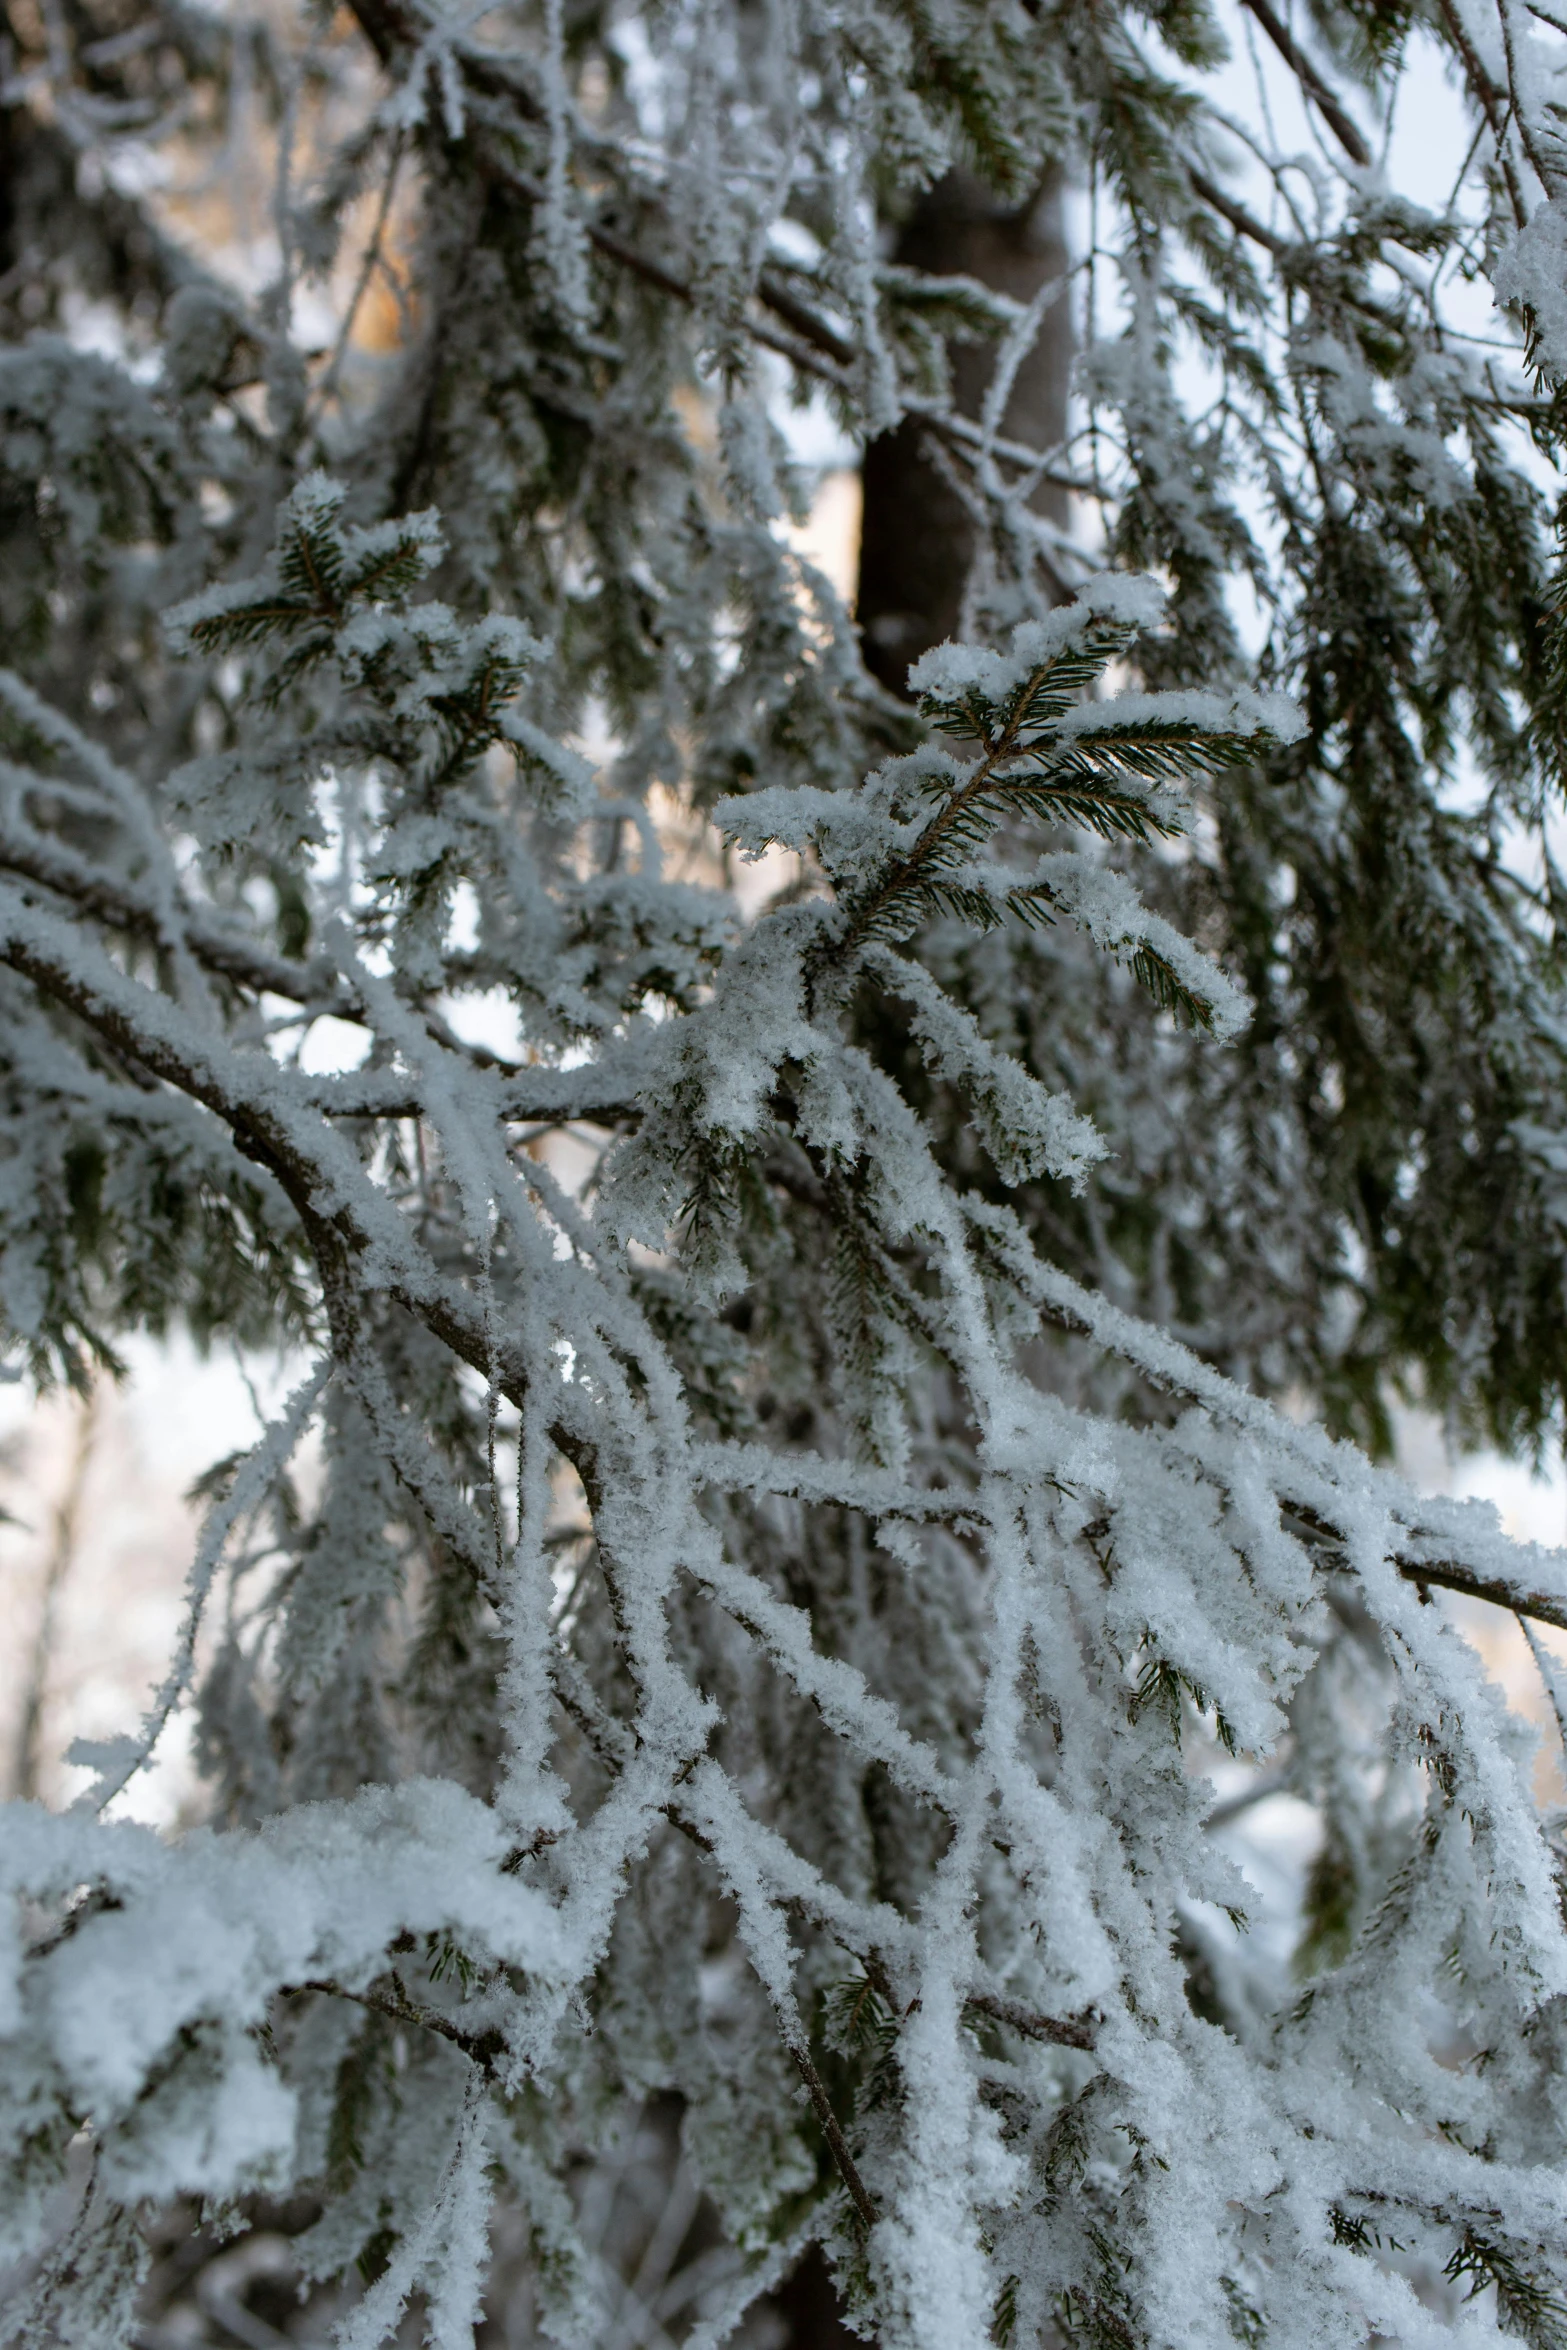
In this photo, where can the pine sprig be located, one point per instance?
(1528, 2303)
(1046, 756)
(322, 569)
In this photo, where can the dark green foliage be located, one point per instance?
(301, 755)
(1161, 1689)
(1526, 2303)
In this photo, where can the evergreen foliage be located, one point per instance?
(780, 1512)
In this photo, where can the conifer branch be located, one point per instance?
(528, 1098)
(904, 875)
(1449, 1574)
(700, 1524)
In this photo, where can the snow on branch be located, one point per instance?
(1065, 1608)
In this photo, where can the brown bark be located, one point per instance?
(917, 540)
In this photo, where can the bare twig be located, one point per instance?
(1447, 1573)
(374, 257)
(388, 1998)
(1489, 100)
(1071, 2031)
(1300, 65)
(1237, 214)
(848, 2169)
(1548, 178)
(1547, 1672)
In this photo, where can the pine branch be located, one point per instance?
(1449, 1574)
(530, 1096)
(251, 1114)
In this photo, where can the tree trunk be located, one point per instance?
(917, 541)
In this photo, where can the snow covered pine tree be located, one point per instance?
(743, 1597)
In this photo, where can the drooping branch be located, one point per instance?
(535, 1096)
(139, 1025)
(811, 344)
(142, 1029)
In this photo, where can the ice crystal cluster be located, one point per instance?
(779, 1517)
